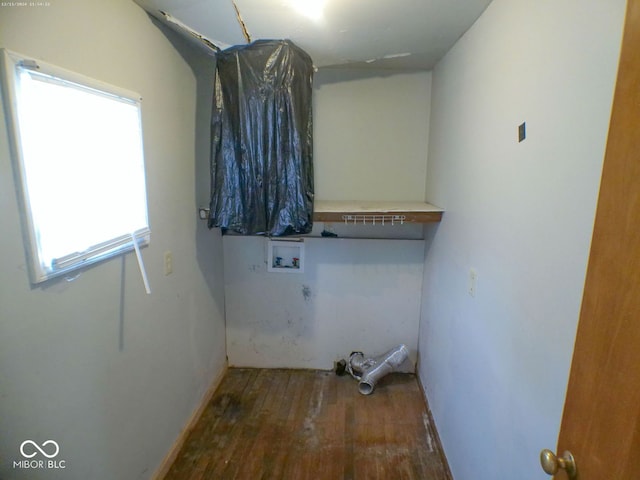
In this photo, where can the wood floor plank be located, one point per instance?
(304, 424)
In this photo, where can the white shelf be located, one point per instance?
(358, 212)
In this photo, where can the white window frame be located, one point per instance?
(10, 65)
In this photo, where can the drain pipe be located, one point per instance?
(369, 371)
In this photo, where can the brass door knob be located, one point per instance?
(551, 463)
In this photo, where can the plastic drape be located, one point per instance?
(261, 157)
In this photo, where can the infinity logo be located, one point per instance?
(39, 449)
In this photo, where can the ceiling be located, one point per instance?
(381, 34)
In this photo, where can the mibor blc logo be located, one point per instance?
(39, 456)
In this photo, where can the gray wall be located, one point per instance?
(495, 366)
(108, 372)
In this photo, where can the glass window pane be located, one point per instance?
(83, 166)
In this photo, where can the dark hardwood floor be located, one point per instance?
(305, 424)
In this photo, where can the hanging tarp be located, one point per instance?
(261, 157)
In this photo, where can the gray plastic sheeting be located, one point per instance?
(262, 152)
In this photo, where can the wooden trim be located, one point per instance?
(432, 431)
(171, 456)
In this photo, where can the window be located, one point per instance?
(76, 144)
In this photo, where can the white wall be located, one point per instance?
(108, 372)
(354, 294)
(495, 366)
(362, 294)
(369, 134)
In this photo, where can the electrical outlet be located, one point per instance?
(473, 282)
(168, 263)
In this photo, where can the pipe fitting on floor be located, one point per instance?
(369, 371)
